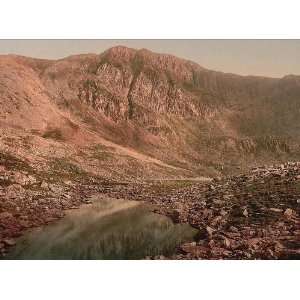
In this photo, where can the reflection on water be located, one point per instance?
(107, 229)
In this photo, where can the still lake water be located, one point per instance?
(106, 229)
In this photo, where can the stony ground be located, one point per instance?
(30, 197)
(250, 216)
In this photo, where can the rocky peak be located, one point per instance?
(166, 64)
(119, 54)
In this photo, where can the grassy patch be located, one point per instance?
(61, 169)
(54, 134)
(5, 182)
(9, 141)
(100, 147)
(12, 162)
(178, 164)
(103, 156)
(102, 152)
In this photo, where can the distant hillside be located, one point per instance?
(133, 114)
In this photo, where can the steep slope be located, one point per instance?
(202, 122)
(211, 121)
(24, 101)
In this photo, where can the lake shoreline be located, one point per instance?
(247, 216)
(106, 229)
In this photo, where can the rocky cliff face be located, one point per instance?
(162, 106)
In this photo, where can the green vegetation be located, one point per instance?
(63, 165)
(101, 147)
(9, 141)
(102, 152)
(54, 134)
(13, 163)
(61, 169)
(5, 182)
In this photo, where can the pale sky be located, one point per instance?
(273, 58)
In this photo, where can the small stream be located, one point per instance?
(106, 229)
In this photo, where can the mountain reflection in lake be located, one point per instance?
(107, 229)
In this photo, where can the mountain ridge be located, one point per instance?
(145, 50)
(204, 121)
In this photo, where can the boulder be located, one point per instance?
(9, 242)
(288, 213)
(44, 185)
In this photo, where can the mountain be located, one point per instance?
(137, 125)
(134, 114)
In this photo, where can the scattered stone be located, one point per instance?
(9, 242)
(245, 213)
(288, 213)
(277, 210)
(218, 178)
(67, 196)
(68, 182)
(238, 216)
(14, 191)
(5, 215)
(44, 185)
(55, 188)
(24, 223)
(227, 242)
(31, 179)
(210, 231)
(223, 212)
(233, 229)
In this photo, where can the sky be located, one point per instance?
(271, 58)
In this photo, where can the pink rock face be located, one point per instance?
(154, 102)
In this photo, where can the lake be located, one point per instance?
(106, 229)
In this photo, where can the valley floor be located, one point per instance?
(249, 216)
